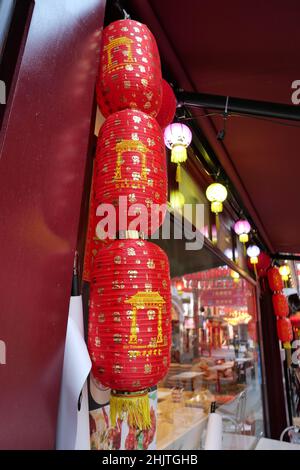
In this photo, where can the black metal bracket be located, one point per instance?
(239, 105)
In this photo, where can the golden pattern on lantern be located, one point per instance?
(129, 146)
(143, 300)
(109, 48)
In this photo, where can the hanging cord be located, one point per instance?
(221, 134)
(122, 10)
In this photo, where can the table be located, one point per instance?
(221, 368)
(186, 376)
(272, 444)
(233, 441)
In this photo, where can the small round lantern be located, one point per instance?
(130, 325)
(168, 106)
(285, 331)
(285, 271)
(253, 252)
(235, 276)
(177, 137)
(131, 171)
(216, 193)
(280, 305)
(177, 199)
(242, 229)
(130, 71)
(275, 280)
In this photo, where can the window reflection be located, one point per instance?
(214, 358)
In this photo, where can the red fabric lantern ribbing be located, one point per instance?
(131, 162)
(92, 244)
(130, 72)
(168, 106)
(130, 319)
(284, 330)
(275, 279)
(280, 305)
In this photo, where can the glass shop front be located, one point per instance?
(215, 354)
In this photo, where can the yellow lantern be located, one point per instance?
(285, 271)
(235, 276)
(177, 199)
(216, 193)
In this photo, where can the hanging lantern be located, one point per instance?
(242, 229)
(285, 271)
(295, 321)
(179, 286)
(177, 199)
(178, 137)
(235, 276)
(130, 325)
(263, 264)
(253, 252)
(216, 193)
(285, 331)
(131, 163)
(130, 71)
(168, 105)
(280, 305)
(275, 280)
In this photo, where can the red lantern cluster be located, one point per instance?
(130, 309)
(130, 325)
(281, 307)
(131, 162)
(130, 72)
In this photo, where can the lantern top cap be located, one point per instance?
(216, 192)
(177, 134)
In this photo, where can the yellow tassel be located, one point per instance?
(134, 406)
(255, 270)
(217, 223)
(178, 174)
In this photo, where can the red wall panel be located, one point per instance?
(44, 145)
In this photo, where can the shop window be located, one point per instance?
(215, 351)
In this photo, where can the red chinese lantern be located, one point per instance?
(264, 262)
(168, 106)
(131, 162)
(280, 305)
(284, 330)
(130, 324)
(275, 280)
(295, 321)
(130, 71)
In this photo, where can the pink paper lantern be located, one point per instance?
(242, 226)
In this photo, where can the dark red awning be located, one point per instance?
(247, 50)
